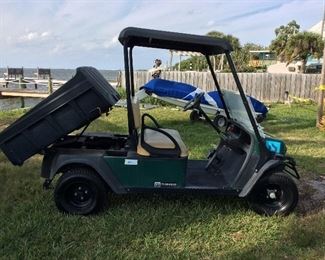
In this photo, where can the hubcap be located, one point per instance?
(79, 195)
(272, 196)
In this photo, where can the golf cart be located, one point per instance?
(246, 163)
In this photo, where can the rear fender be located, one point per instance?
(55, 161)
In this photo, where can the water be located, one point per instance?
(58, 74)
(65, 74)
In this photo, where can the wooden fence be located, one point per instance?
(263, 86)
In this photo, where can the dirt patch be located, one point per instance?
(312, 195)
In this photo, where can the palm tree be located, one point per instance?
(283, 34)
(302, 45)
(199, 63)
(290, 44)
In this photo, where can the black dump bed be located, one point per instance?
(78, 102)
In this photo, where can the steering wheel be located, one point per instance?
(193, 103)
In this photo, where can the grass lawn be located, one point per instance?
(150, 227)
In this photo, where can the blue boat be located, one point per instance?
(167, 89)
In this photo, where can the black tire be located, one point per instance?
(80, 191)
(260, 118)
(274, 194)
(195, 116)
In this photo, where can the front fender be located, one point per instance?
(271, 164)
(56, 160)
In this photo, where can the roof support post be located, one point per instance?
(217, 85)
(128, 90)
(131, 70)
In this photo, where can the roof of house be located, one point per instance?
(317, 28)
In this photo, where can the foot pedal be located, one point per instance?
(214, 160)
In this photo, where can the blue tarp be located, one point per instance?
(168, 88)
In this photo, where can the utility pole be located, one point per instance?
(320, 110)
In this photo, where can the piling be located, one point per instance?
(22, 85)
(50, 85)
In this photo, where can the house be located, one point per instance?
(261, 58)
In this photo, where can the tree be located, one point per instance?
(237, 55)
(240, 55)
(302, 45)
(234, 41)
(290, 29)
(290, 44)
(283, 34)
(250, 46)
(199, 63)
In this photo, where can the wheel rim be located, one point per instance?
(273, 196)
(79, 195)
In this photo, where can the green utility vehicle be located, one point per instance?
(246, 162)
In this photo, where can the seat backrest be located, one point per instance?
(136, 113)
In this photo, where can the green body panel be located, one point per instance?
(148, 172)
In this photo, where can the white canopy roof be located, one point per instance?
(317, 28)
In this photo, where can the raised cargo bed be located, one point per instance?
(78, 102)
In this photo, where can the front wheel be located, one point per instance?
(195, 116)
(80, 191)
(274, 194)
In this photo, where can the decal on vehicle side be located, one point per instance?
(158, 184)
(130, 162)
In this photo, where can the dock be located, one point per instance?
(14, 84)
(28, 87)
(26, 93)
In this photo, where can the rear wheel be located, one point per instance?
(274, 194)
(80, 191)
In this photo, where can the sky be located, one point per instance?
(73, 33)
